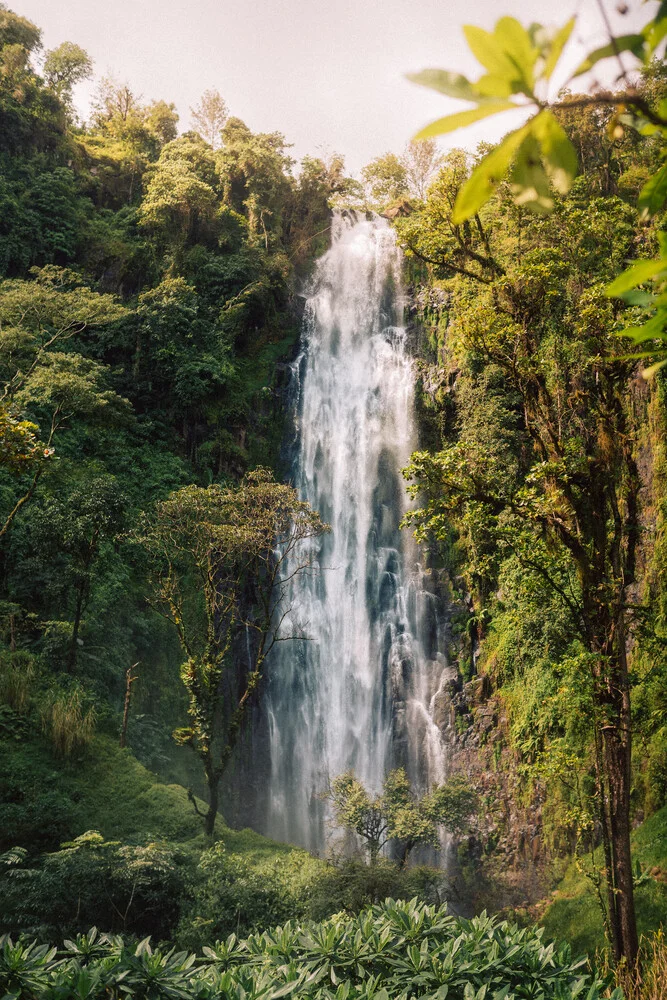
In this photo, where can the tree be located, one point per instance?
(582, 494)
(38, 316)
(255, 172)
(209, 117)
(180, 195)
(76, 525)
(385, 180)
(162, 121)
(223, 559)
(558, 487)
(420, 160)
(397, 814)
(65, 66)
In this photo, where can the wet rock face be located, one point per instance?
(506, 847)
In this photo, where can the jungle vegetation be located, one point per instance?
(147, 308)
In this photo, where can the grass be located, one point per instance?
(574, 916)
(45, 800)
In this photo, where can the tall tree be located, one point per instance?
(65, 66)
(421, 159)
(209, 117)
(233, 545)
(385, 180)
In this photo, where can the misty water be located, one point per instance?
(358, 693)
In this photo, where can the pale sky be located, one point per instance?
(327, 73)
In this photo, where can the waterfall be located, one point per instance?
(359, 692)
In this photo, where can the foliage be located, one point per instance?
(229, 546)
(393, 949)
(530, 335)
(234, 894)
(118, 886)
(397, 814)
(539, 157)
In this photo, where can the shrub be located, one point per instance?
(392, 950)
(120, 887)
(67, 721)
(234, 896)
(350, 884)
(17, 677)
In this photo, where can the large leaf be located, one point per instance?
(558, 43)
(654, 193)
(529, 181)
(484, 46)
(516, 43)
(445, 82)
(491, 86)
(487, 175)
(656, 29)
(625, 43)
(560, 157)
(640, 272)
(462, 118)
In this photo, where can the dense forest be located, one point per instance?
(150, 307)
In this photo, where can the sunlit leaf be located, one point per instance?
(493, 86)
(559, 154)
(654, 193)
(656, 29)
(640, 272)
(487, 175)
(462, 118)
(516, 43)
(625, 43)
(529, 181)
(650, 372)
(484, 46)
(558, 43)
(445, 82)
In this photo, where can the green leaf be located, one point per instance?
(516, 43)
(484, 46)
(529, 181)
(640, 272)
(445, 82)
(654, 329)
(487, 175)
(463, 118)
(654, 193)
(558, 43)
(656, 29)
(625, 43)
(493, 86)
(559, 154)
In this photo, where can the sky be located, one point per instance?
(329, 74)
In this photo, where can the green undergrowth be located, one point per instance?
(574, 915)
(395, 949)
(45, 800)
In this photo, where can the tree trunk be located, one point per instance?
(76, 627)
(129, 681)
(213, 781)
(618, 749)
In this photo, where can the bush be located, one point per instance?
(17, 678)
(350, 884)
(232, 895)
(67, 721)
(396, 949)
(136, 889)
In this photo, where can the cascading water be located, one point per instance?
(359, 692)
